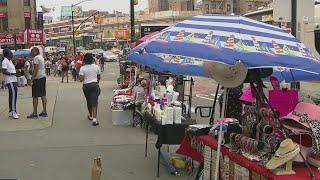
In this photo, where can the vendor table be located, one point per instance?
(301, 173)
(170, 134)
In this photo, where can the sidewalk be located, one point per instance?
(24, 107)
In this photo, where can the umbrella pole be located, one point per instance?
(214, 105)
(216, 176)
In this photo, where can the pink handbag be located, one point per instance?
(283, 100)
(247, 96)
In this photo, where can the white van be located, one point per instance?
(50, 49)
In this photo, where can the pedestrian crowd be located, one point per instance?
(33, 71)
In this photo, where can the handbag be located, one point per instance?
(283, 100)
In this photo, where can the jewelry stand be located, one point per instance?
(287, 170)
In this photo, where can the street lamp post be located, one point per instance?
(133, 33)
(72, 21)
(73, 33)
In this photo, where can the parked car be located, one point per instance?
(110, 57)
(115, 50)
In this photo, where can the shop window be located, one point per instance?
(28, 23)
(26, 2)
(3, 24)
(3, 2)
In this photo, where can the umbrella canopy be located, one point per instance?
(22, 53)
(146, 37)
(187, 47)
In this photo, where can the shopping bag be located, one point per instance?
(96, 169)
(283, 100)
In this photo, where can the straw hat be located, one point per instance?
(287, 151)
(229, 76)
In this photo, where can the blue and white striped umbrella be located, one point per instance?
(185, 47)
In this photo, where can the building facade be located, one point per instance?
(238, 7)
(158, 5)
(60, 33)
(17, 15)
(171, 5)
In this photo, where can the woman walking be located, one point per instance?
(65, 69)
(90, 76)
(9, 70)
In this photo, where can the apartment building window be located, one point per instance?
(214, 6)
(3, 2)
(207, 10)
(221, 6)
(3, 24)
(27, 22)
(26, 2)
(228, 7)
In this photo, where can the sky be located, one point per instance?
(102, 5)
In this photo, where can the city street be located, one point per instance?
(65, 148)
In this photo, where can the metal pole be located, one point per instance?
(15, 41)
(73, 33)
(133, 33)
(294, 85)
(214, 105)
(101, 36)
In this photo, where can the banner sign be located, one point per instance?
(7, 39)
(35, 36)
(3, 15)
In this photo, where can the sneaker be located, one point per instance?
(32, 116)
(15, 116)
(95, 122)
(43, 114)
(90, 117)
(11, 114)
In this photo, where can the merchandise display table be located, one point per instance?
(171, 134)
(301, 173)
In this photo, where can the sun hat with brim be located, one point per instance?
(229, 76)
(300, 117)
(288, 150)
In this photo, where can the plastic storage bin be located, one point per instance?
(122, 117)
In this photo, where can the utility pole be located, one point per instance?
(73, 32)
(133, 33)
(294, 85)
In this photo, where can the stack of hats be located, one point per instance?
(304, 122)
(287, 151)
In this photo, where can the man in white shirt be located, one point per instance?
(9, 70)
(38, 84)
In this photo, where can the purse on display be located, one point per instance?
(283, 100)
